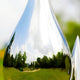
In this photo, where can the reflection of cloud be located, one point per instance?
(32, 52)
(43, 38)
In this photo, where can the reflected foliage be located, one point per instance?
(18, 61)
(73, 77)
(6, 61)
(58, 61)
(68, 64)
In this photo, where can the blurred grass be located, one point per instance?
(1, 73)
(2, 53)
(1, 63)
(1, 56)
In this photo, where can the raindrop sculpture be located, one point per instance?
(38, 32)
(75, 60)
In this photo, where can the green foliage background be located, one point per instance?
(70, 30)
(73, 29)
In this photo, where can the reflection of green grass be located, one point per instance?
(43, 74)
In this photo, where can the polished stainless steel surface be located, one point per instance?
(38, 32)
(75, 59)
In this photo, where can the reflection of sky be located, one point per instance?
(22, 29)
(73, 52)
(58, 27)
(75, 46)
(37, 32)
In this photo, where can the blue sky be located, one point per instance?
(22, 28)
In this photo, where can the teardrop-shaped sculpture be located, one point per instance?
(38, 32)
(75, 59)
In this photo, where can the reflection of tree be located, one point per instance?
(57, 61)
(7, 53)
(9, 46)
(73, 77)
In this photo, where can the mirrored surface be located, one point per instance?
(37, 33)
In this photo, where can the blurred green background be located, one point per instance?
(70, 30)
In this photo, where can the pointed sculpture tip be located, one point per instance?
(75, 54)
(77, 36)
(76, 42)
